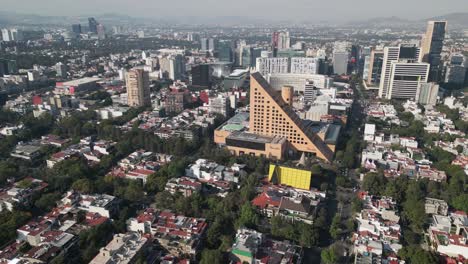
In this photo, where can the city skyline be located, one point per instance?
(297, 10)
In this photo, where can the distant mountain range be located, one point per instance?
(460, 19)
(455, 20)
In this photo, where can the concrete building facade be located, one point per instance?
(138, 89)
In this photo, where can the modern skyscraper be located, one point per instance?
(271, 114)
(118, 30)
(17, 34)
(207, 44)
(431, 47)
(204, 44)
(405, 53)
(7, 67)
(406, 78)
(225, 51)
(249, 56)
(138, 90)
(272, 65)
(6, 34)
(12, 34)
(284, 41)
(92, 24)
(340, 62)
(76, 28)
(456, 69)
(373, 67)
(201, 75)
(101, 31)
(211, 44)
(279, 41)
(173, 66)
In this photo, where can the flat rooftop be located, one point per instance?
(331, 137)
(81, 81)
(246, 136)
(238, 73)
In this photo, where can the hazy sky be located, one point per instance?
(281, 9)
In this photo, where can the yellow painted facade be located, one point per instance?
(293, 177)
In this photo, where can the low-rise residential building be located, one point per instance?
(184, 185)
(20, 193)
(29, 151)
(123, 249)
(46, 239)
(10, 130)
(449, 235)
(53, 140)
(210, 171)
(139, 165)
(103, 204)
(378, 229)
(436, 206)
(289, 203)
(60, 156)
(178, 234)
(252, 247)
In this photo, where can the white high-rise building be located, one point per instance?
(122, 74)
(321, 54)
(144, 55)
(211, 44)
(304, 65)
(204, 44)
(33, 75)
(207, 44)
(284, 41)
(427, 93)
(404, 53)
(12, 34)
(272, 65)
(173, 66)
(61, 70)
(406, 79)
(6, 36)
(340, 62)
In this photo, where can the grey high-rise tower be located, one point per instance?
(431, 47)
(92, 25)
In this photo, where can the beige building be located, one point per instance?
(273, 127)
(271, 114)
(138, 90)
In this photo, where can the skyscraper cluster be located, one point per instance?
(281, 40)
(407, 70)
(173, 66)
(12, 34)
(207, 44)
(402, 72)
